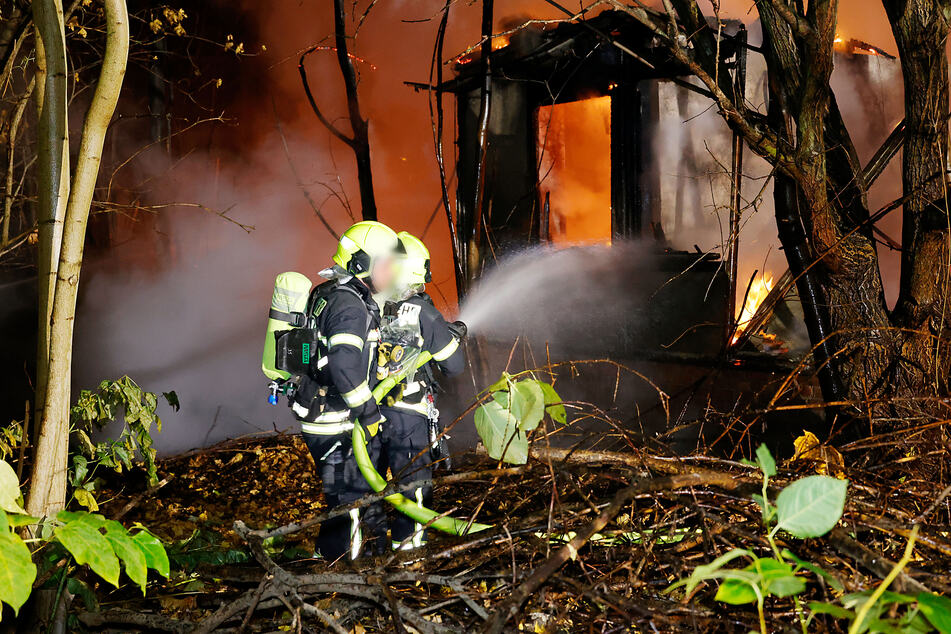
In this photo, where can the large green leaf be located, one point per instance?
(812, 506)
(528, 404)
(81, 537)
(17, 571)
(499, 432)
(128, 551)
(937, 610)
(155, 556)
(553, 404)
(9, 489)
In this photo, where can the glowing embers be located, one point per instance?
(758, 292)
(574, 171)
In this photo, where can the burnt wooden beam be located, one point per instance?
(885, 153)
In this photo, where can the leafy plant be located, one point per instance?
(89, 538)
(809, 507)
(97, 408)
(10, 438)
(514, 408)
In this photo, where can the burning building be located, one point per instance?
(567, 154)
(593, 134)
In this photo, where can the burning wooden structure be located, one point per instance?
(542, 78)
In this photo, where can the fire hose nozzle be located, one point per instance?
(459, 330)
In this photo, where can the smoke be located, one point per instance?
(194, 321)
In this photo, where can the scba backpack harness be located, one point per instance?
(294, 347)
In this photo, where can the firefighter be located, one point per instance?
(334, 397)
(410, 408)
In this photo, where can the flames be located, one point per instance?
(758, 292)
(851, 46)
(472, 53)
(500, 41)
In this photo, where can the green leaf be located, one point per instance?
(499, 432)
(831, 609)
(128, 551)
(502, 384)
(553, 404)
(82, 590)
(812, 506)
(765, 460)
(155, 556)
(81, 537)
(16, 520)
(706, 571)
(771, 576)
(738, 588)
(937, 610)
(17, 571)
(528, 404)
(80, 470)
(778, 578)
(9, 489)
(855, 599)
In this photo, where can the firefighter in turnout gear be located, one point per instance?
(336, 394)
(410, 409)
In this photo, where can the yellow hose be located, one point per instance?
(418, 513)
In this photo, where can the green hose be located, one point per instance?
(419, 514)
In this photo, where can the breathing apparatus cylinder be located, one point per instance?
(288, 306)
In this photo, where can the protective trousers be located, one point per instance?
(363, 530)
(406, 452)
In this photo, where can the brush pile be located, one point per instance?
(582, 541)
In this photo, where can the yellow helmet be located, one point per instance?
(362, 244)
(415, 269)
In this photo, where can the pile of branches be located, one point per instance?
(582, 541)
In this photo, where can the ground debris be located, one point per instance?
(583, 541)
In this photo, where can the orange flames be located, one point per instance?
(851, 46)
(472, 53)
(574, 144)
(759, 289)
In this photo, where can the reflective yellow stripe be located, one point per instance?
(346, 339)
(358, 395)
(326, 429)
(419, 408)
(446, 352)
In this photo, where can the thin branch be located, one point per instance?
(297, 178)
(313, 102)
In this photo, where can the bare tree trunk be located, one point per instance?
(48, 485)
(921, 31)
(52, 170)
